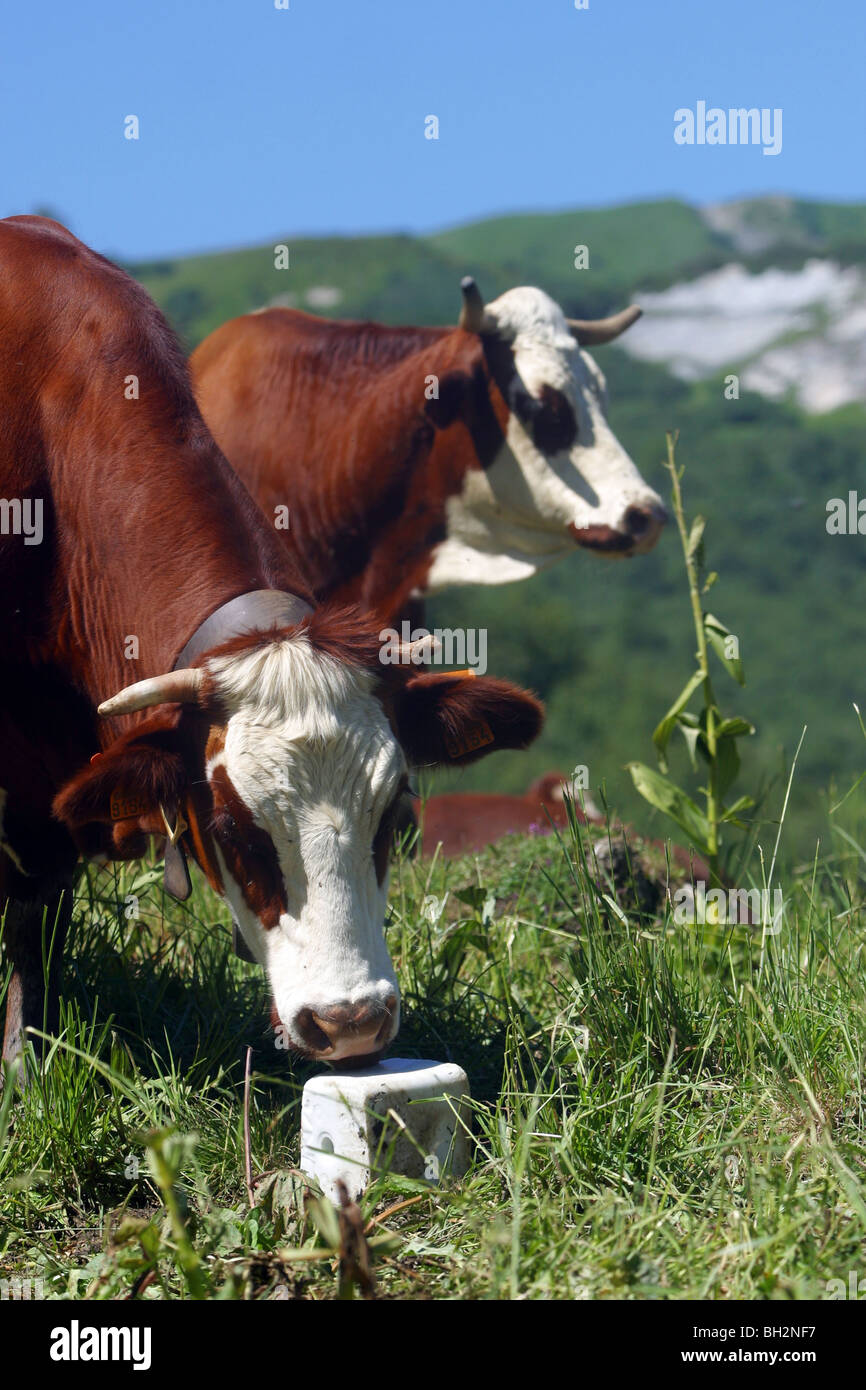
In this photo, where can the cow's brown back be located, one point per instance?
(362, 431)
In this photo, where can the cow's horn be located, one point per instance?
(421, 650)
(180, 687)
(472, 309)
(593, 331)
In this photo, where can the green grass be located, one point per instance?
(660, 1112)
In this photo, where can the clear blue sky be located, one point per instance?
(258, 123)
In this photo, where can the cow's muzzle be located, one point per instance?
(356, 1033)
(640, 529)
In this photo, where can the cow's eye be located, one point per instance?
(387, 821)
(549, 417)
(554, 428)
(398, 817)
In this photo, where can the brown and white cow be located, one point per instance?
(456, 823)
(266, 737)
(414, 459)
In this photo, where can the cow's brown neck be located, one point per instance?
(402, 414)
(147, 529)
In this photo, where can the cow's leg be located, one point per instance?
(33, 938)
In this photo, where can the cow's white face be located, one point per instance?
(305, 782)
(306, 735)
(561, 477)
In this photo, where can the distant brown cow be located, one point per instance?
(414, 459)
(463, 822)
(456, 823)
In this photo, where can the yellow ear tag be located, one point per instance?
(476, 735)
(126, 807)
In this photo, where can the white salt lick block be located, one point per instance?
(400, 1116)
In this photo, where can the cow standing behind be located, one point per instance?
(275, 747)
(415, 459)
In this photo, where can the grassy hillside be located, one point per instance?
(784, 229)
(608, 645)
(415, 279)
(659, 1112)
(393, 278)
(646, 245)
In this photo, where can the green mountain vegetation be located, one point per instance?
(609, 644)
(652, 245)
(404, 279)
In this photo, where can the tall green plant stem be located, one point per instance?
(702, 655)
(166, 1178)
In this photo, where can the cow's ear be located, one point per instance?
(452, 390)
(126, 786)
(456, 718)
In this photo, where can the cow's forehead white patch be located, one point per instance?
(528, 315)
(289, 682)
(545, 351)
(304, 724)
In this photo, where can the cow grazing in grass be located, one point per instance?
(165, 672)
(414, 459)
(458, 823)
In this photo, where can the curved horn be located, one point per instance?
(180, 687)
(416, 653)
(472, 309)
(593, 331)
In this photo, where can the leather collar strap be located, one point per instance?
(254, 612)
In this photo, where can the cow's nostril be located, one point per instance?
(637, 521)
(311, 1032)
(644, 521)
(344, 1029)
